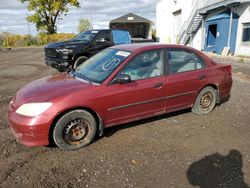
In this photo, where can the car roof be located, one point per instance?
(134, 47)
(107, 30)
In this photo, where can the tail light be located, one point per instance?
(228, 70)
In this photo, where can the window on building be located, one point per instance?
(246, 32)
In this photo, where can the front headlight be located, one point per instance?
(64, 50)
(33, 109)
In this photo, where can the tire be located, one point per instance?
(60, 70)
(74, 130)
(79, 61)
(64, 69)
(205, 101)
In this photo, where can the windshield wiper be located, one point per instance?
(72, 73)
(84, 77)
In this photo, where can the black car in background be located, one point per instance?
(66, 55)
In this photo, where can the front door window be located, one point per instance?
(146, 65)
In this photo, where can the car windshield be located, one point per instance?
(86, 36)
(99, 67)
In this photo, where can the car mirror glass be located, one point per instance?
(121, 79)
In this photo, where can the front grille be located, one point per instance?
(50, 52)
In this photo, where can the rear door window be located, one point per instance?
(104, 36)
(181, 60)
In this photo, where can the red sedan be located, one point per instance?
(118, 85)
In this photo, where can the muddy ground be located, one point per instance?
(175, 150)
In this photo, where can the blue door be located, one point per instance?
(217, 32)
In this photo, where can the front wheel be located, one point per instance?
(205, 101)
(74, 130)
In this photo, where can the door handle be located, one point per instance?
(158, 85)
(201, 77)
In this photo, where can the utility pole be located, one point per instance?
(28, 22)
(230, 26)
(91, 19)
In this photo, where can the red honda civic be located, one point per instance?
(118, 85)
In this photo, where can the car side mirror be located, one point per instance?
(101, 40)
(121, 79)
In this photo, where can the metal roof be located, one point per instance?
(130, 18)
(222, 15)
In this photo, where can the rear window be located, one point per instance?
(121, 37)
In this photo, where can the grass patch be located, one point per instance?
(241, 60)
(8, 40)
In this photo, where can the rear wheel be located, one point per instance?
(74, 130)
(205, 101)
(79, 61)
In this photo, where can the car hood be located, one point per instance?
(69, 43)
(50, 88)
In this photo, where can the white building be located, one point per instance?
(209, 25)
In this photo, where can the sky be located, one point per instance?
(13, 14)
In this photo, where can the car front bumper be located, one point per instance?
(61, 65)
(30, 131)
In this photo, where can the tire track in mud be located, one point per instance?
(7, 80)
(17, 162)
(10, 56)
(242, 77)
(38, 67)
